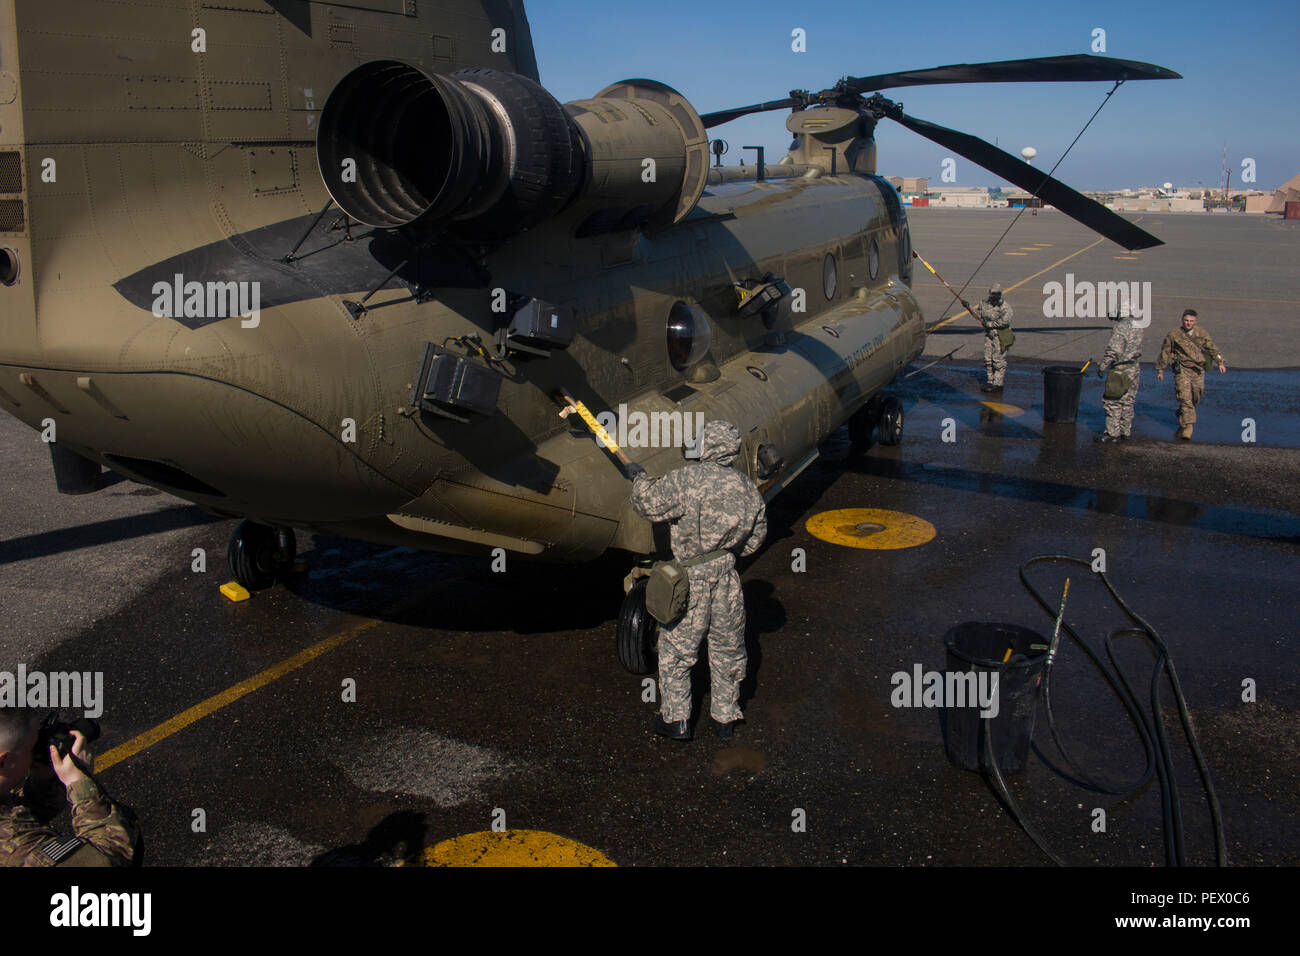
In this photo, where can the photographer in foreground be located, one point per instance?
(51, 774)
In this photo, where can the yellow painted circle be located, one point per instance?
(1002, 409)
(856, 528)
(511, 848)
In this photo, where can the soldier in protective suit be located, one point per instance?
(1190, 350)
(106, 834)
(1121, 361)
(712, 507)
(995, 316)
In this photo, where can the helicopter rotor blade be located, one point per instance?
(1074, 204)
(726, 116)
(1080, 67)
(1074, 68)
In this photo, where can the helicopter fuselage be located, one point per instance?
(305, 419)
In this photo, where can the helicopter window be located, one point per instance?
(689, 336)
(8, 265)
(873, 259)
(905, 252)
(830, 276)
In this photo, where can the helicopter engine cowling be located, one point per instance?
(486, 154)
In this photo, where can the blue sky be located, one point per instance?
(1241, 64)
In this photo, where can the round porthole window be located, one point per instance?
(689, 336)
(830, 276)
(8, 265)
(873, 259)
(905, 252)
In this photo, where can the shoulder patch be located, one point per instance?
(56, 851)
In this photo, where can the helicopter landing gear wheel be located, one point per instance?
(638, 633)
(259, 553)
(862, 424)
(891, 422)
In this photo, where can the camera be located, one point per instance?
(58, 734)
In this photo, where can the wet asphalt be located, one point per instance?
(481, 693)
(485, 698)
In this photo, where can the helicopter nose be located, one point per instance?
(208, 441)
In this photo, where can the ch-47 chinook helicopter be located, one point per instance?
(326, 265)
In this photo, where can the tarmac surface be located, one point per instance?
(488, 698)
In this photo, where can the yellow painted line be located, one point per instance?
(1030, 249)
(1129, 258)
(1015, 253)
(1043, 244)
(227, 696)
(511, 848)
(1012, 288)
(872, 528)
(1002, 409)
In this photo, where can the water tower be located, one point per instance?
(1029, 153)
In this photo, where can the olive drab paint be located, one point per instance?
(237, 157)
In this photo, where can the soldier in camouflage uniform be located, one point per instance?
(712, 507)
(995, 316)
(1122, 354)
(1190, 350)
(106, 834)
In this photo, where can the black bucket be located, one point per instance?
(1062, 385)
(979, 648)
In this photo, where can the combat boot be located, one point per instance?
(1185, 432)
(673, 730)
(1106, 438)
(723, 731)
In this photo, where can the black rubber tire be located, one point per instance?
(251, 555)
(862, 427)
(891, 422)
(286, 549)
(638, 633)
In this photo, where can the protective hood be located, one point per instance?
(719, 443)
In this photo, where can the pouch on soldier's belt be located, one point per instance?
(1006, 339)
(668, 590)
(1117, 383)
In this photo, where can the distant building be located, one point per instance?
(1153, 203)
(1289, 192)
(964, 197)
(1258, 202)
(910, 185)
(1018, 198)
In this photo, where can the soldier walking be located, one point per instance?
(1125, 375)
(995, 316)
(713, 509)
(1190, 350)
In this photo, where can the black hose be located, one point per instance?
(1150, 728)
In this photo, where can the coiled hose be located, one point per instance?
(1150, 727)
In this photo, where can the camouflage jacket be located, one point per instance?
(993, 317)
(1125, 346)
(27, 839)
(711, 505)
(1193, 349)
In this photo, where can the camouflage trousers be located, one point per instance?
(716, 609)
(1189, 385)
(995, 360)
(1119, 411)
